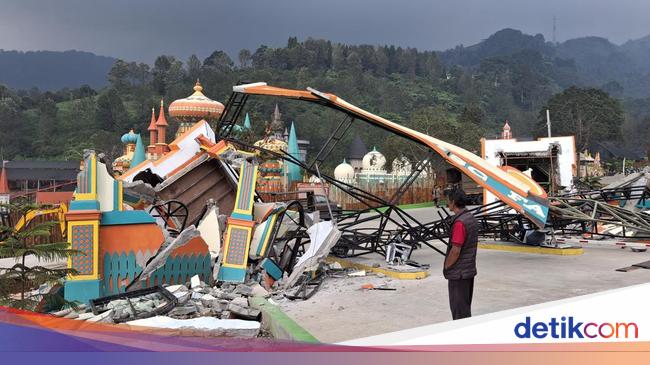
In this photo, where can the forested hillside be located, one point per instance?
(47, 70)
(458, 96)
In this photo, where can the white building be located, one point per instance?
(551, 162)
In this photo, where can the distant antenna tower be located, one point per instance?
(554, 29)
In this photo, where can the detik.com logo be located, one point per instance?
(568, 327)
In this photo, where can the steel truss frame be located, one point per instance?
(396, 225)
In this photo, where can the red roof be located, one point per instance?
(51, 197)
(152, 125)
(161, 117)
(4, 183)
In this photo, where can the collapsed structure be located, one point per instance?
(191, 208)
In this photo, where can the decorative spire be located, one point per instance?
(277, 116)
(294, 151)
(507, 133)
(161, 116)
(247, 122)
(138, 154)
(197, 87)
(4, 182)
(152, 124)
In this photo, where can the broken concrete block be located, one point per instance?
(84, 316)
(358, 273)
(207, 300)
(103, 317)
(195, 281)
(259, 291)
(182, 297)
(177, 288)
(220, 304)
(62, 313)
(203, 326)
(71, 315)
(227, 296)
(183, 310)
(244, 290)
(335, 266)
(240, 301)
(243, 312)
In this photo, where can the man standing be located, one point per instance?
(460, 260)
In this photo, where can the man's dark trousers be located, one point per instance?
(460, 297)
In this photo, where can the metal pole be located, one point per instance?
(548, 122)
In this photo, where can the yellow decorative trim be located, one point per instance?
(408, 275)
(270, 226)
(93, 182)
(120, 195)
(252, 195)
(95, 225)
(532, 249)
(248, 246)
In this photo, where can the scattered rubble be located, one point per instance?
(358, 273)
(203, 326)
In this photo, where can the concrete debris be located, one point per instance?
(323, 236)
(240, 301)
(84, 316)
(72, 315)
(176, 288)
(202, 326)
(208, 300)
(183, 311)
(141, 190)
(258, 291)
(358, 273)
(243, 312)
(335, 266)
(210, 230)
(170, 244)
(106, 317)
(244, 290)
(195, 282)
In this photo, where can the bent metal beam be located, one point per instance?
(515, 189)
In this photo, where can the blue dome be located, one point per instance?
(130, 137)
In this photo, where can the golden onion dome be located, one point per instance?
(196, 106)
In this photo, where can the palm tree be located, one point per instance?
(28, 241)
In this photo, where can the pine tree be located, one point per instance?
(18, 281)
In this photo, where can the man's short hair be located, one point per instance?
(458, 197)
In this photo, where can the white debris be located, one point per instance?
(209, 326)
(175, 288)
(195, 281)
(358, 273)
(259, 291)
(210, 232)
(85, 316)
(335, 266)
(103, 317)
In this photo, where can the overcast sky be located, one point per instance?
(142, 29)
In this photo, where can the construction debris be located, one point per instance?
(358, 273)
(202, 326)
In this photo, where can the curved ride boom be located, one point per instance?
(518, 191)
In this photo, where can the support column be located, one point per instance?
(83, 235)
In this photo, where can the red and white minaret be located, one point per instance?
(151, 148)
(161, 146)
(5, 194)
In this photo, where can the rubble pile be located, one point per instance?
(198, 307)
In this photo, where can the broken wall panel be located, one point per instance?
(203, 179)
